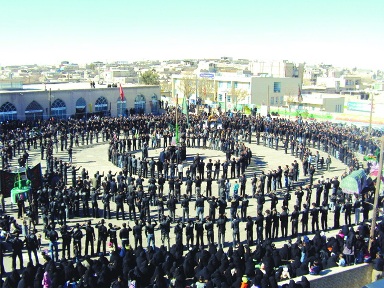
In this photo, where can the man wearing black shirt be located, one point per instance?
(378, 266)
(138, 233)
(124, 235)
(89, 237)
(66, 235)
(284, 222)
(53, 237)
(259, 227)
(221, 223)
(165, 228)
(304, 219)
(17, 247)
(120, 205)
(185, 206)
(112, 233)
(101, 236)
(199, 206)
(150, 233)
(315, 218)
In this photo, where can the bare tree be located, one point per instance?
(188, 85)
(206, 88)
(238, 94)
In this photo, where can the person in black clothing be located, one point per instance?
(101, 236)
(275, 223)
(295, 221)
(210, 232)
(53, 237)
(17, 251)
(304, 219)
(89, 237)
(284, 222)
(336, 216)
(107, 208)
(77, 236)
(124, 235)
(378, 266)
(259, 227)
(32, 244)
(199, 228)
(165, 229)
(348, 211)
(324, 216)
(178, 231)
(66, 236)
(138, 233)
(112, 233)
(150, 233)
(189, 233)
(221, 223)
(95, 206)
(249, 229)
(119, 199)
(244, 206)
(315, 218)
(185, 205)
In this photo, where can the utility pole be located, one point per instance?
(225, 102)
(377, 192)
(370, 115)
(269, 103)
(49, 103)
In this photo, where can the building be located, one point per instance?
(76, 100)
(330, 103)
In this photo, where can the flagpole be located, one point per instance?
(177, 124)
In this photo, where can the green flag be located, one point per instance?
(185, 109)
(177, 133)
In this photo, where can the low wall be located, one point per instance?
(355, 276)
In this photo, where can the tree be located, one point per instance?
(238, 94)
(166, 86)
(150, 77)
(206, 87)
(188, 85)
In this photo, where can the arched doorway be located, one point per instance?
(81, 107)
(140, 104)
(154, 104)
(101, 106)
(8, 112)
(59, 109)
(34, 111)
(121, 107)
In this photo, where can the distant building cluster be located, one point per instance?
(228, 83)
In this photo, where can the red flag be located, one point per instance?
(121, 93)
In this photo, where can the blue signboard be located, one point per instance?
(359, 106)
(207, 75)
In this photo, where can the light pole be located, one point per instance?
(269, 102)
(49, 103)
(370, 114)
(377, 191)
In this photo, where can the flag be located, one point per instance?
(185, 109)
(121, 93)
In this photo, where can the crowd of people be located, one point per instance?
(147, 191)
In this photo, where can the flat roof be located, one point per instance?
(66, 86)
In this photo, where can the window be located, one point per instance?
(59, 109)
(81, 106)
(228, 98)
(8, 112)
(121, 107)
(101, 105)
(140, 104)
(34, 111)
(220, 98)
(276, 87)
(272, 101)
(235, 84)
(154, 104)
(229, 85)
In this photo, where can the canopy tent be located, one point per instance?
(354, 183)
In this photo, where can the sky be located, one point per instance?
(341, 33)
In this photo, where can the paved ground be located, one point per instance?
(94, 158)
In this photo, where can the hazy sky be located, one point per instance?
(339, 32)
